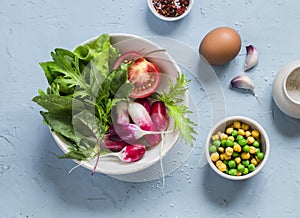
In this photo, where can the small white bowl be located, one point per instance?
(157, 14)
(286, 89)
(221, 126)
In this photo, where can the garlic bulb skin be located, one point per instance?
(251, 58)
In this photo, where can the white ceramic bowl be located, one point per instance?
(157, 14)
(286, 89)
(221, 126)
(112, 165)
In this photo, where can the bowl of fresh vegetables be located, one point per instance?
(116, 104)
(237, 148)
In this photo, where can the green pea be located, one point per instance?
(241, 167)
(260, 156)
(212, 148)
(256, 144)
(224, 142)
(239, 137)
(231, 164)
(251, 167)
(229, 143)
(246, 171)
(246, 163)
(257, 151)
(217, 143)
(234, 133)
(232, 172)
(225, 162)
(242, 142)
(246, 148)
(235, 154)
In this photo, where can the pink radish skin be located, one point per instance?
(132, 153)
(141, 117)
(145, 102)
(159, 115)
(126, 57)
(114, 145)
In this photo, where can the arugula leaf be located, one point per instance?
(179, 112)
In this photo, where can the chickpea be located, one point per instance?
(245, 156)
(219, 133)
(247, 133)
(252, 150)
(229, 130)
(224, 136)
(255, 133)
(218, 163)
(241, 132)
(221, 150)
(238, 173)
(237, 147)
(245, 126)
(227, 157)
(214, 156)
(231, 138)
(222, 156)
(215, 137)
(250, 140)
(237, 160)
(254, 161)
(237, 124)
(222, 167)
(229, 151)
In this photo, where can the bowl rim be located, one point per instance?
(295, 70)
(241, 119)
(187, 11)
(89, 164)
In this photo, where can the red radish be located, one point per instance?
(145, 76)
(145, 102)
(141, 117)
(159, 115)
(132, 153)
(130, 132)
(128, 56)
(129, 153)
(114, 145)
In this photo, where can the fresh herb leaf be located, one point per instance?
(179, 112)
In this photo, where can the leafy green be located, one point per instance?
(81, 94)
(179, 112)
(56, 104)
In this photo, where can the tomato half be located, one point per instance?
(145, 76)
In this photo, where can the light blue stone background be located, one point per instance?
(34, 183)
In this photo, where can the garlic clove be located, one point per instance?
(251, 58)
(243, 82)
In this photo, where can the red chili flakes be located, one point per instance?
(170, 8)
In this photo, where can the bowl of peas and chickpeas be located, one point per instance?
(237, 147)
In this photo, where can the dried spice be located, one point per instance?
(170, 8)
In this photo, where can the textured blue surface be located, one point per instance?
(34, 183)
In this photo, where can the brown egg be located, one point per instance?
(220, 46)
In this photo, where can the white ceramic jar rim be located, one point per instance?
(297, 90)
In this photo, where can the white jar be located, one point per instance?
(286, 89)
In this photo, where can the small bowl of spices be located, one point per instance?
(170, 10)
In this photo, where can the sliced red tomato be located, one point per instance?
(145, 76)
